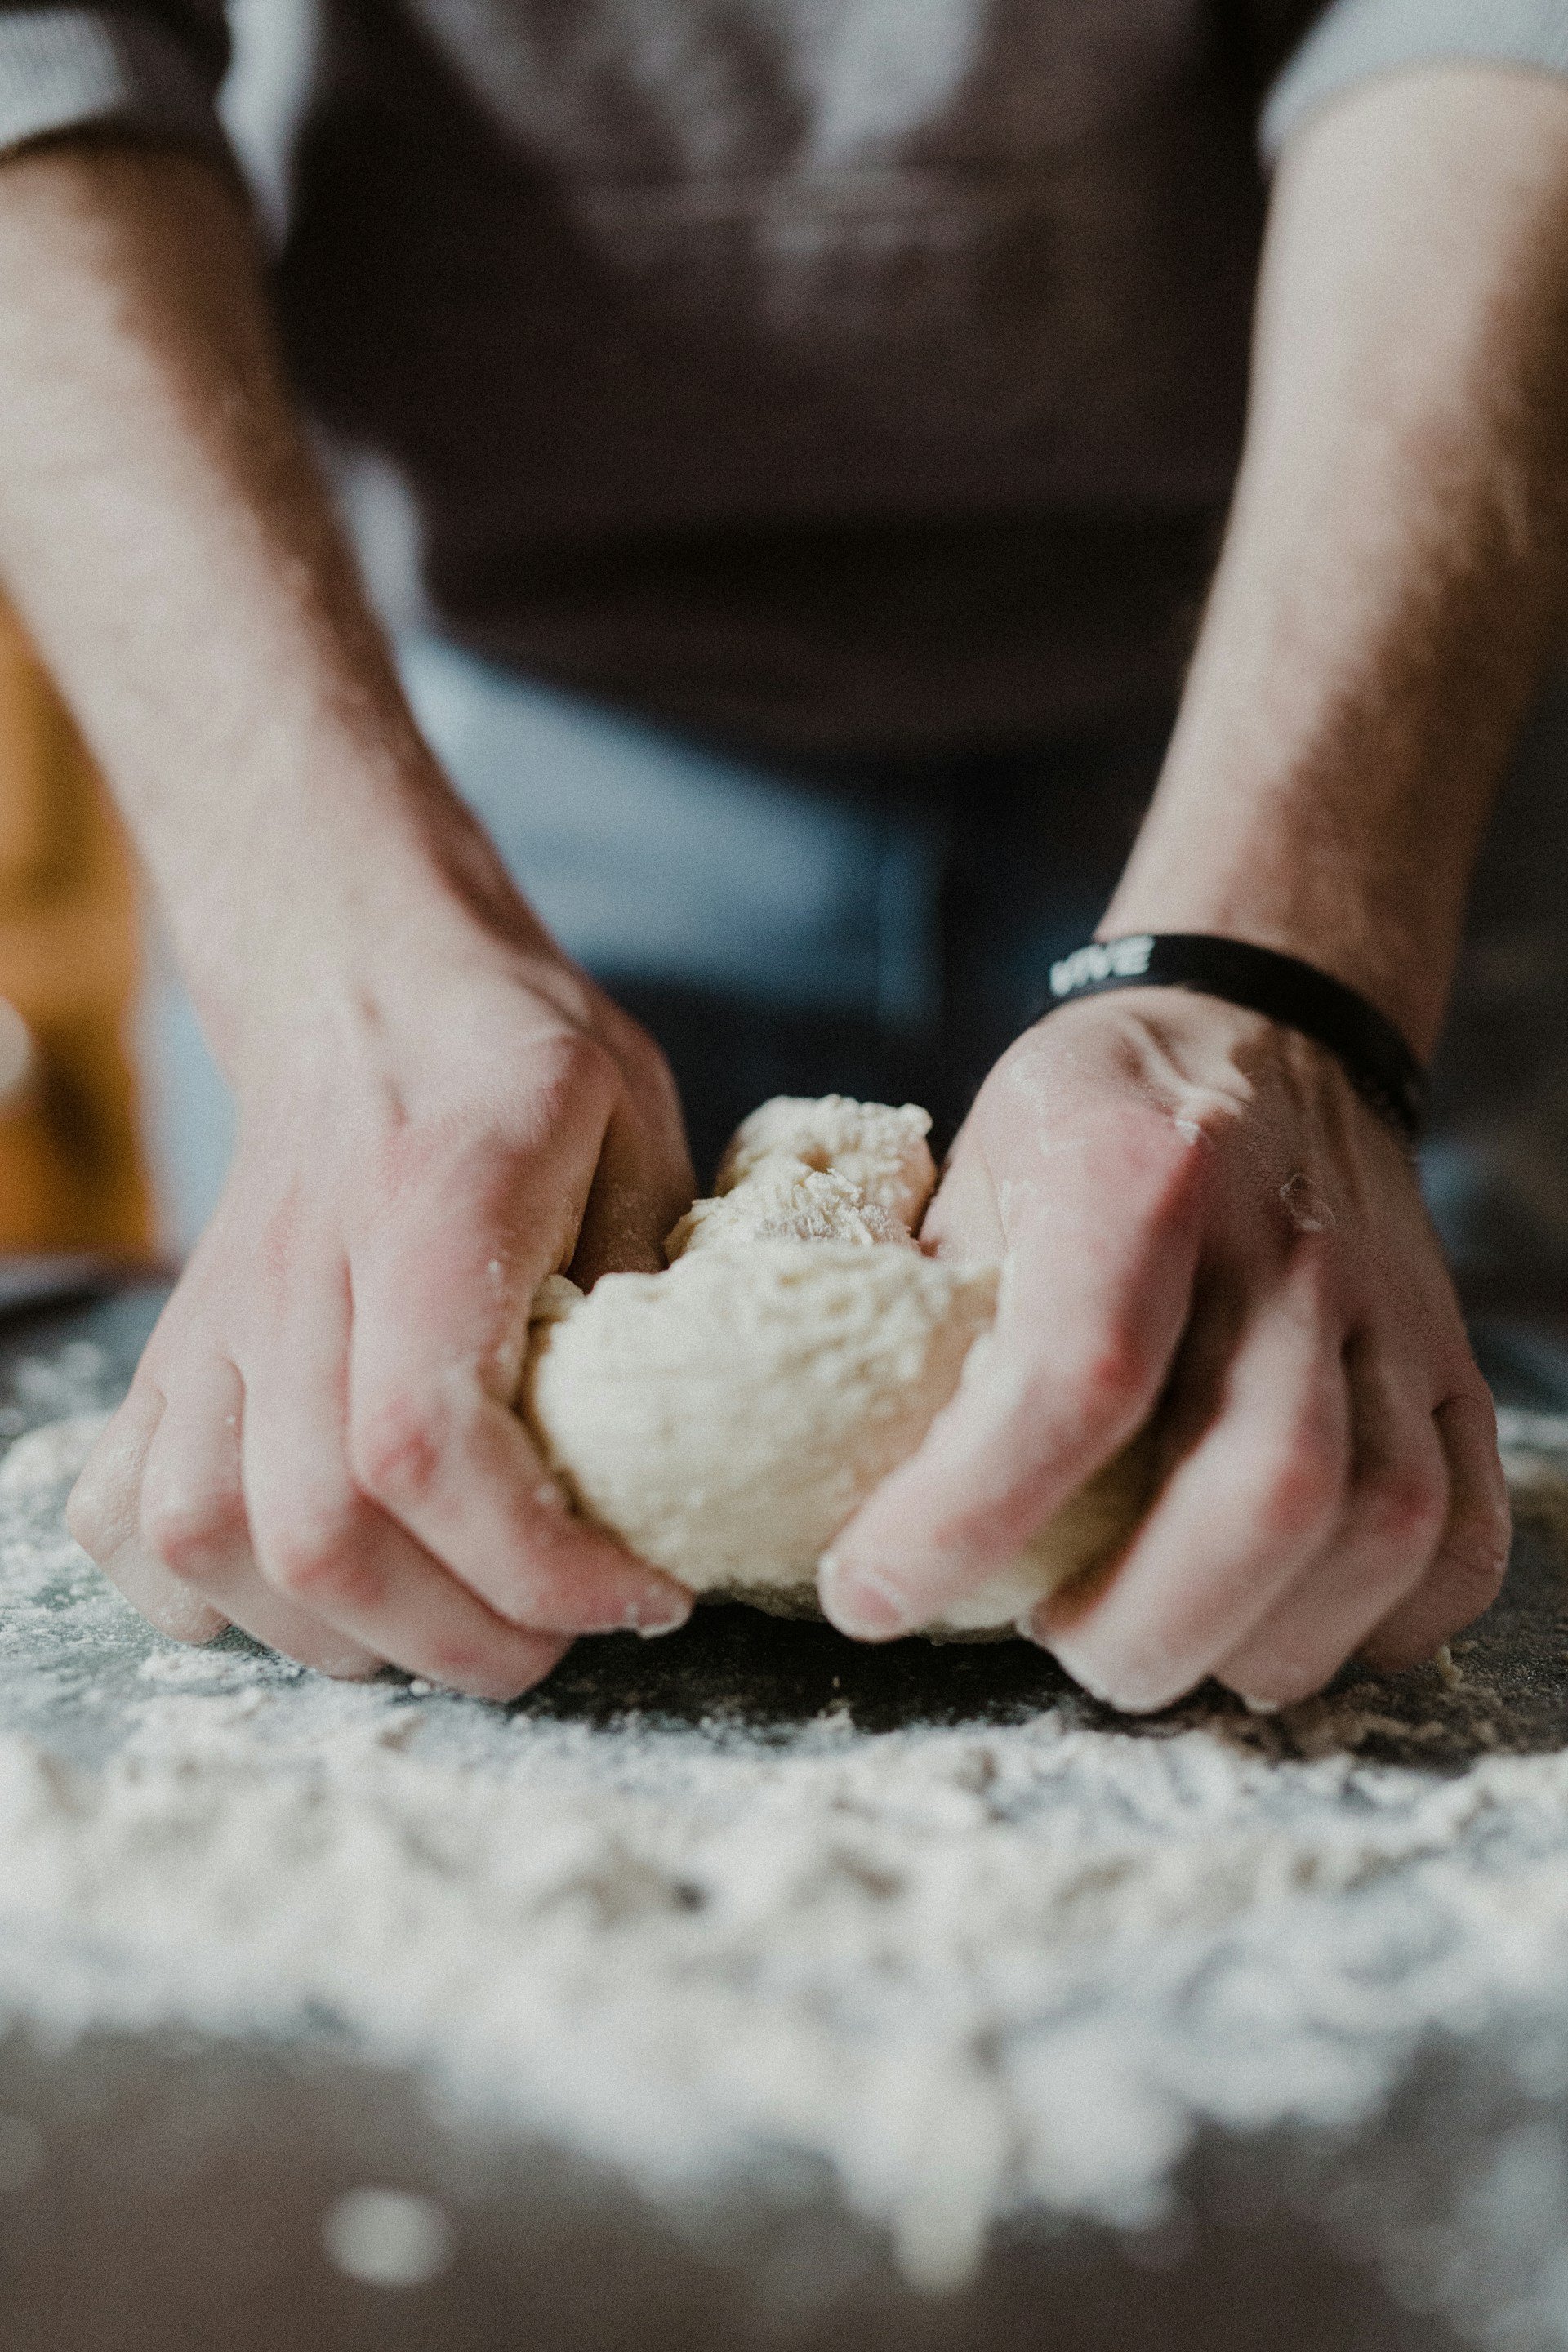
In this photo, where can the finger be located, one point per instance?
(195, 1526)
(1254, 1500)
(965, 1218)
(639, 1192)
(1467, 1572)
(102, 1507)
(1088, 1319)
(437, 1354)
(102, 1513)
(1376, 1556)
(325, 1549)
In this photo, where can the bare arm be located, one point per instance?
(1394, 572)
(436, 1108)
(165, 535)
(1192, 1204)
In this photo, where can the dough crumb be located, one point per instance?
(883, 1152)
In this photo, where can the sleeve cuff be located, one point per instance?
(1355, 40)
(66, 69)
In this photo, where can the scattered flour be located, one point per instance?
(972, 1971)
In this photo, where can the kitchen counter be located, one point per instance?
(179, 2183)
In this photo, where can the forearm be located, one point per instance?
(320, 1444)
(1394, 572)
(165, 536)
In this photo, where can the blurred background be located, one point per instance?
(114, 1127)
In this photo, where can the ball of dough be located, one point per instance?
(727, 1417)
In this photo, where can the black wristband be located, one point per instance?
(1374, 1056)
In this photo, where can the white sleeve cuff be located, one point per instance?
(1356, 40)
(66, 69)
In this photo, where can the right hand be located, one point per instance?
(436, 1108)
(320, 1444)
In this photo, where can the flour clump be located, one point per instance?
(727, 1416)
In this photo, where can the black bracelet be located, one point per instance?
(1374, 1056)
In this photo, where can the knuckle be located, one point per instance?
(316, 1554)
(574, 1066)
(1115, 1371)
(397, 1450)
(1407, 1508)
(188, 1529)
(973, 1533)
(1303, 1482)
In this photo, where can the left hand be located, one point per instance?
(1195, 1211)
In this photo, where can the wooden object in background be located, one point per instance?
(70, 1168)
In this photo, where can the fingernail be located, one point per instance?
(1085, 1676)
(661, 1610)
(1117, 1693)
(865, 1602)
(353, 1668)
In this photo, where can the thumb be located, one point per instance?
(640, 1188)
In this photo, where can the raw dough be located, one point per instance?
(727, 1416)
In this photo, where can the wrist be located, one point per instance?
(1284, 989)
(353, 892)
(1392, 936)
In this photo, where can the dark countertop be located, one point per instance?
(180, 2199)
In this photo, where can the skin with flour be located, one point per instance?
(727, 1417)
(437, 1110)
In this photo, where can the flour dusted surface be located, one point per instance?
(973, 1970)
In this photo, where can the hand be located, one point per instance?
(320, 1444)
(1196, 1213)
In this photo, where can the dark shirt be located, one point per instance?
(827, 374)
